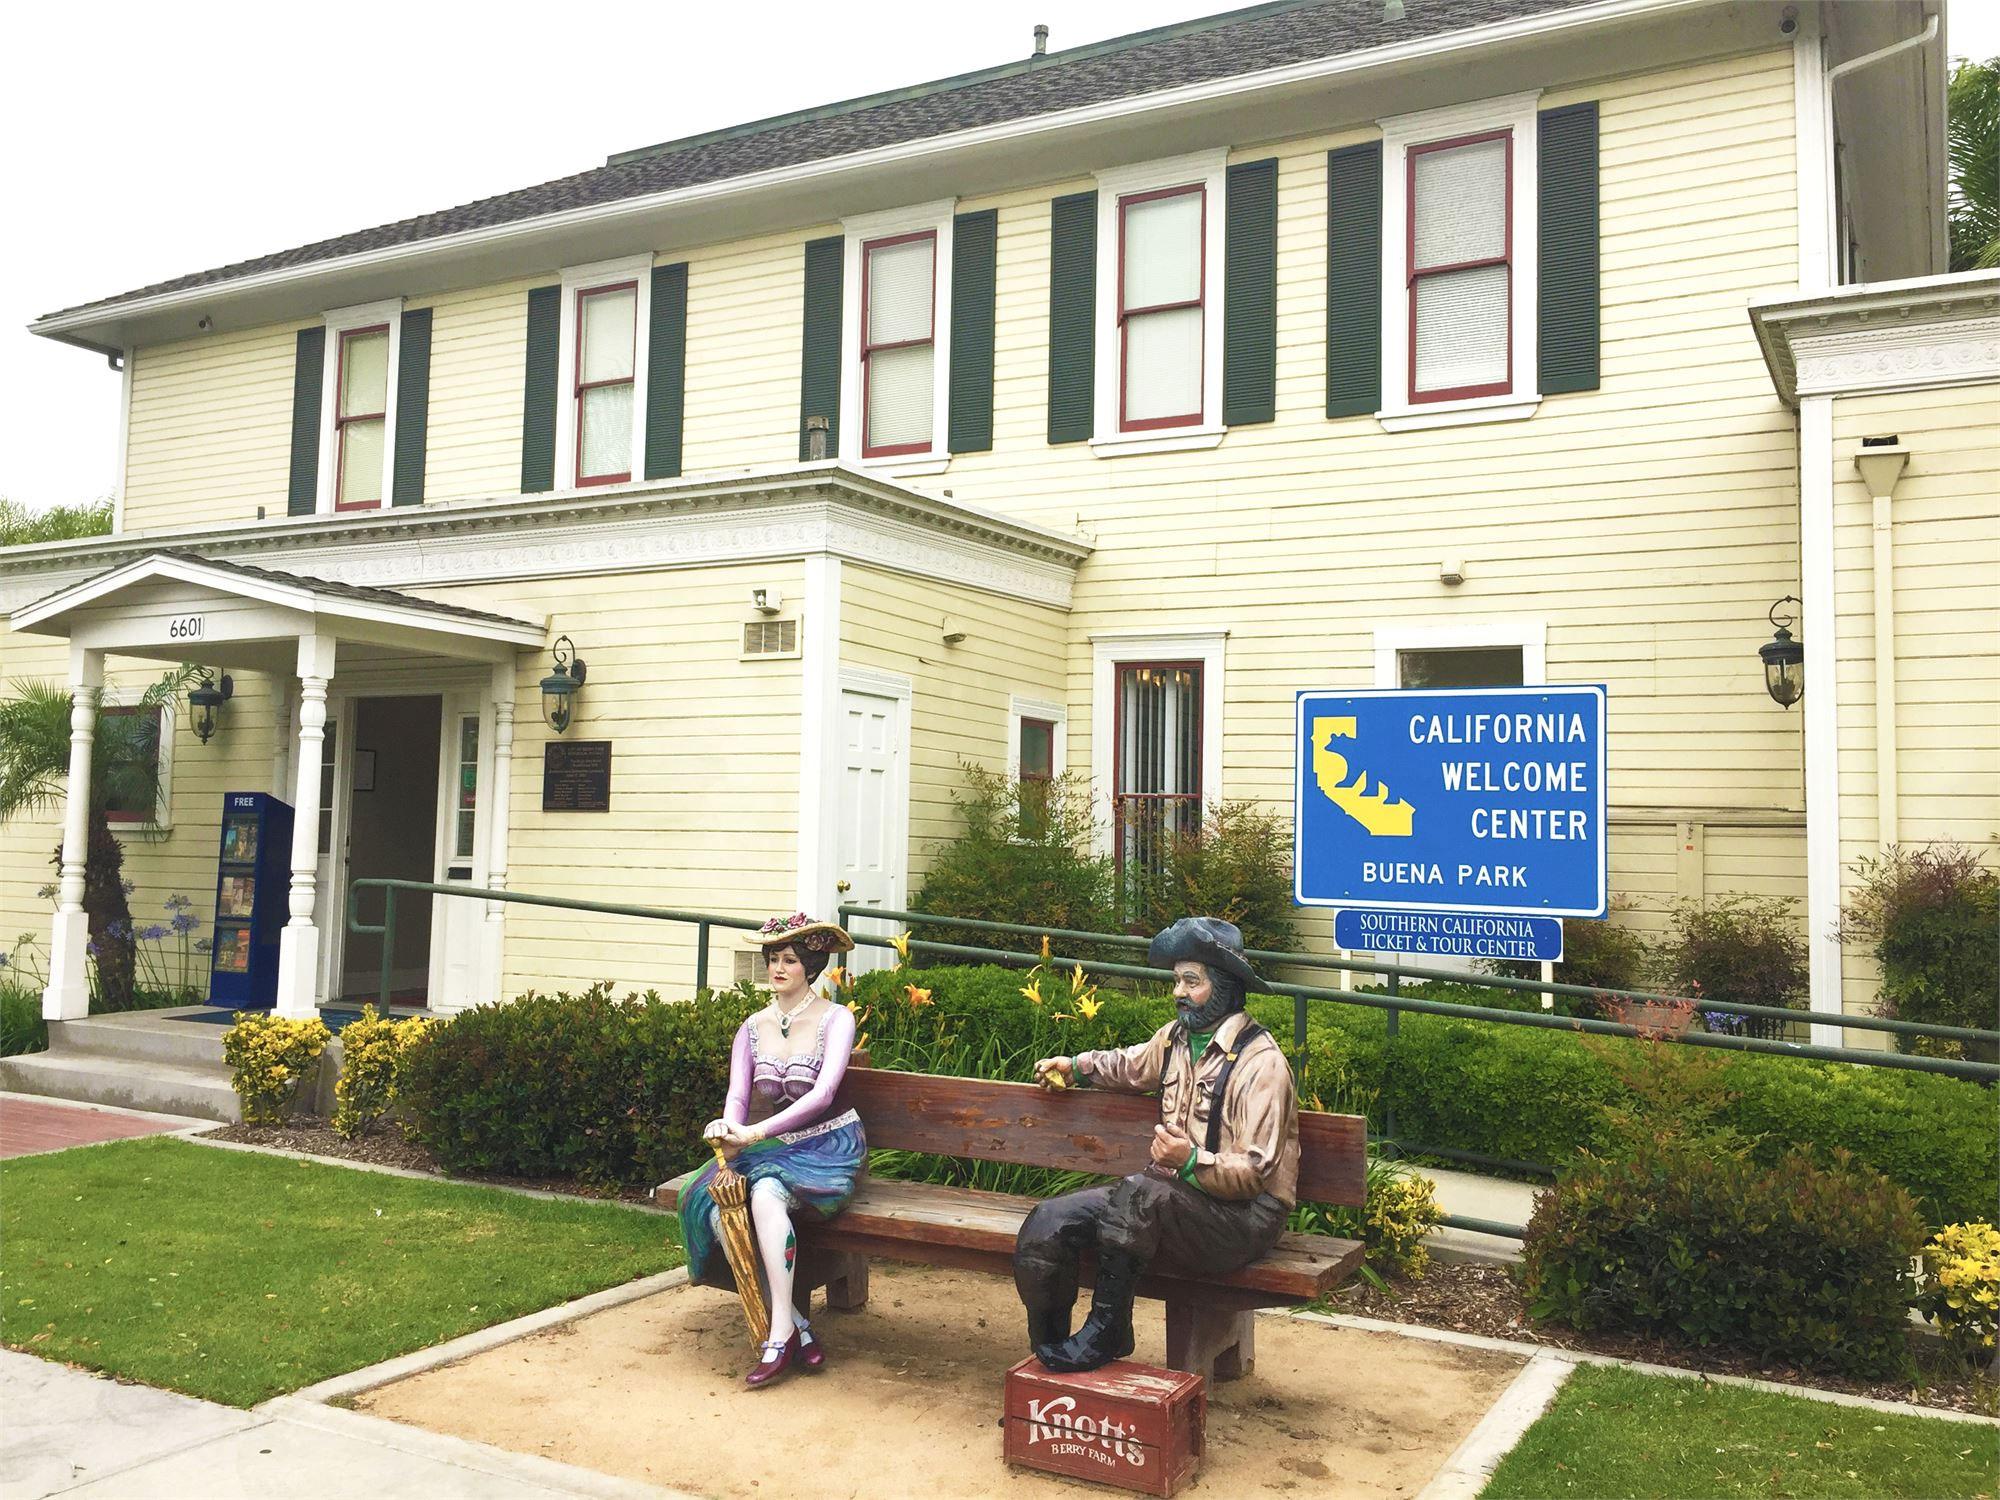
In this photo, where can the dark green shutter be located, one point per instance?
(538, 399)
(819, 373)
(1072, 317)
(1567, 303)
(666, 371)
(308, 369)
(974, 245)
(413, 406)
(1354, 280)
(1250, 294)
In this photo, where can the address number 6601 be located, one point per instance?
(185, 628)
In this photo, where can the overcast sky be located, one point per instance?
(143, 141)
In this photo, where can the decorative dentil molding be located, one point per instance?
(1932, 331)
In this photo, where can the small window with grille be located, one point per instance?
(771, 638)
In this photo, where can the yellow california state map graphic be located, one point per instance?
(1371, 809)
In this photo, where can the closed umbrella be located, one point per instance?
(732, 1203)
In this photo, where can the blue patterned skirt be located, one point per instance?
(817, 1166)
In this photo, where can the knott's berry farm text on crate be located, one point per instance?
(1134, 1426)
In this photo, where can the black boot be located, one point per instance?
(1048, 1329)
(1107, 1333)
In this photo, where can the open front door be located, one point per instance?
(464, 764)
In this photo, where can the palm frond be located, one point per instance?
(34, 747)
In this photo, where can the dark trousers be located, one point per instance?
(1164, 1224)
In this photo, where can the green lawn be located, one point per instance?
(238, 1277)
(1616, 1435)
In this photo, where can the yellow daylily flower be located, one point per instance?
(901, 943)
(917, 996)
(1045, 947)
(1088, 1008)
(1076, 980)
(1033, 992)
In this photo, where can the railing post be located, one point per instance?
(1395, 1016)
(388, 942)
(700, 956)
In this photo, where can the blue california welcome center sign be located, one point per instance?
(1463, 800)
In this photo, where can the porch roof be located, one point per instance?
(174, 605)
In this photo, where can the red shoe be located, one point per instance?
(771, 1366)
(812, 1353)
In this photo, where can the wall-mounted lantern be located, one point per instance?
(205, 698)
(1784, 658)
(560, 687)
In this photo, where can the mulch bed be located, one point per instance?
(1467, 1298)
(1485, 1299)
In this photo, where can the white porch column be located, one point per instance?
(492, 940)
(298, 944)
(67, 997)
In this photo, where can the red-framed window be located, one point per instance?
(1156, 765)
(1162, 278)
(133, 802)
(899, 344)
(361, 417)
(607, 343)
(1460, 256)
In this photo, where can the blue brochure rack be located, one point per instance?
(253, 877)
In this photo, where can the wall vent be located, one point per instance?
(771, 638)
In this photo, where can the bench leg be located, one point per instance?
(1210, 1341)
(843, 1273)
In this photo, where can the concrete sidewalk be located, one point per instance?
(70, 1433)
(1473, 1197)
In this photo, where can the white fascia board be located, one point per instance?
(1424, 51)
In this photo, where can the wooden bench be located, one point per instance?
(1209, 1320)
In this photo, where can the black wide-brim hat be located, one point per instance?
(1204, 940)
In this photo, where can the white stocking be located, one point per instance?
(770, 1213)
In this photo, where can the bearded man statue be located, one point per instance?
(1225, 1156)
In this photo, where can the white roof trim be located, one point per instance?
(1885, 335)
(331, 604)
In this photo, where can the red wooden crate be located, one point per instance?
(1134, 1426)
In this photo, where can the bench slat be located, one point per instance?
(1082, 1130)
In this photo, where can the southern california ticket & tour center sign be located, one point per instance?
(1464, 800)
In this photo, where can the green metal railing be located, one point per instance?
(1394, 1002)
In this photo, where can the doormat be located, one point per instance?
(335, 1019)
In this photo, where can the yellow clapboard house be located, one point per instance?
(1072, 414)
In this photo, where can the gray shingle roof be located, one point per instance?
(1226, 46)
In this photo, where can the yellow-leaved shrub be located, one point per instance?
(271, 1057)
(1963, 1296)
(372, 1053)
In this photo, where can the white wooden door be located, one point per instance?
(871, 810)
(464, 754)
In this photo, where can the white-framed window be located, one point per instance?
(895, 391)
(1473, 653)
(357, 444)
(601, 391)
(128, 807)
(1155, 738)
(1459, 264)
(1159, 305)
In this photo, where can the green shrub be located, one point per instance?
(1022, 856)
(1236, 863)
(374, 1052)
(1800, 1260)
(1931, 917)
(604, 1089)
(1603, 955)
(1747, 949)
(22, 1028)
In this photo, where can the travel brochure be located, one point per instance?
(232, 950)
(239, 841)
(235, 895)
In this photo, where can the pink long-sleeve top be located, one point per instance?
(785, 1093)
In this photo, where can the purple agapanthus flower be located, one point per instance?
(185, 922)
(152, 934)
(202, 945)
(47, 892)
(179, 903)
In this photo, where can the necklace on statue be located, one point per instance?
(786, 1017)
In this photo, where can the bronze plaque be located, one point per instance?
(576, 776)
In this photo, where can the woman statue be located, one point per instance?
(787, 1062)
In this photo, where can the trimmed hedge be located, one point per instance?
(1531, 1094)
(608, 1090)
(1800, 1259)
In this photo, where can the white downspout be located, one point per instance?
(1880, 466)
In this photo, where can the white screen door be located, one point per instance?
(463, 763)
(871, 808)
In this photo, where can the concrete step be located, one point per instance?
(126, 1083)
(152, 1035)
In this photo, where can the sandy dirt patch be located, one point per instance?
(909, 1403)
